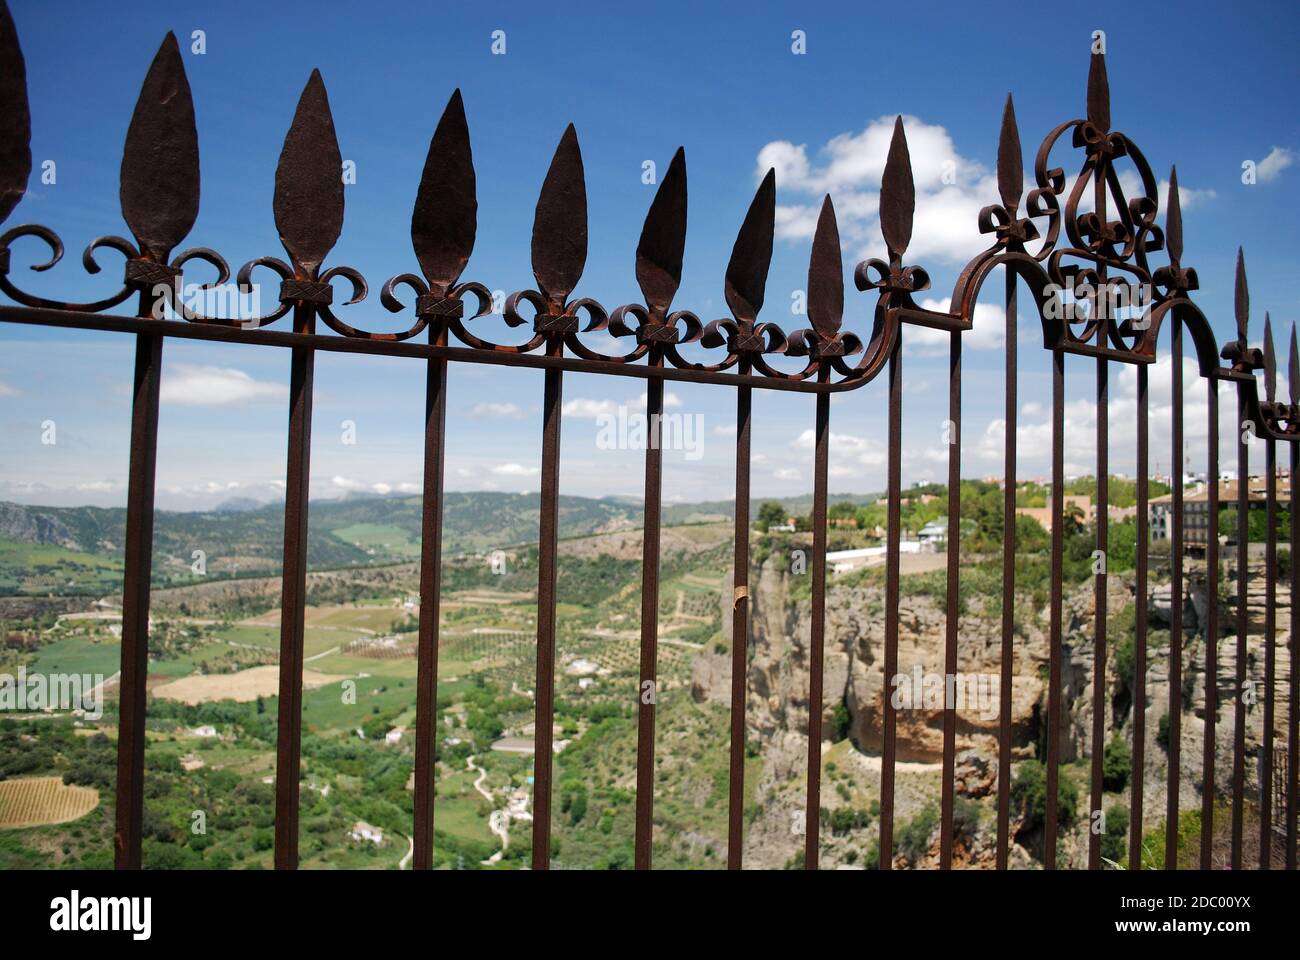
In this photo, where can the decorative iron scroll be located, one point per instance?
(1079, 246)
(1070, 236)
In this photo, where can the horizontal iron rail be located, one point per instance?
(44, 316)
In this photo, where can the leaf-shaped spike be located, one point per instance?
(160, 161)
(1270, 362)
(751, 254)
(445, 219)
(1241, 299)
(1293, 370)
(15, 118)
(309, 182)
(560, 222)
(897, 195)
(1011, 172)
(1098, 94)
(1174, 221)
(663, 238)
(826, 274)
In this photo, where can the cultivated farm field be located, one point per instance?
(39, 801)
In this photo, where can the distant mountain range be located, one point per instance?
(355, 529)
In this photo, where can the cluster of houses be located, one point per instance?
(1197, 527)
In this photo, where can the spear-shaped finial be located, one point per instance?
(1011, 174)
(1270, 362)
(560, 222)
(1293, 370)
(1174, 221)
(746, 280)
(1241, 300)
(308, 201)
(15, 118)
(897, 195)
(663, 238)
(826, 275)
(159, 190)
(445, 218)
(1098, 94)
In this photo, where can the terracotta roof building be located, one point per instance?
(1196, 508)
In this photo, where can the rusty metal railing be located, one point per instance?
(1099, 250)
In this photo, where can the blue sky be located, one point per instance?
(1207, 88)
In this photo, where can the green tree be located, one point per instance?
(1115, 764)
(578, 805)
(843, 510)
(1114, 840)
(840, 721)
(871, 516)
(914, 836)
(770, 514)
(1029, 794)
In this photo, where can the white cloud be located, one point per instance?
(950, 189)
(786, 473)
(1188, 197)
(512, 410)
(586, 408)
(8, 391)
(202, 385)
(838, 441)
(670, 400)
(515, 470)
(1278, 159)
(846, 446)
(1034, 428)
(987, 333)
(381, 487)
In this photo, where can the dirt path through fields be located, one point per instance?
(498, 822)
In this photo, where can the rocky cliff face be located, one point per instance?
(777, 708)
(28, 525)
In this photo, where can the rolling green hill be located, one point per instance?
(78, 550)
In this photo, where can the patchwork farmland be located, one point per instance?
(41, 801)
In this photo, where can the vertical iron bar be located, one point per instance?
(1009, 518)
(426, 696)
(1270, 666)
(647, 687)
(952, 620)
(547, 532)
(893, 525)
(1176, 596)
(1293, 694)
(1140, 626)
(739, 636)
(137, 571)
(1211, 622)
(817, 634)
(1100, 594)
(293, 594)
(1054, 652)
(1239, 711)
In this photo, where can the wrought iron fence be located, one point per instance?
(1076, 242)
